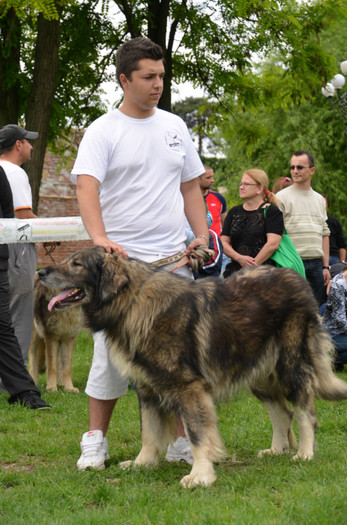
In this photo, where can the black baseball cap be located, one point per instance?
(10, 133)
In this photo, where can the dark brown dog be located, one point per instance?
(53, 340)
(187, 343)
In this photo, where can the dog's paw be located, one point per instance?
(195, 480)
(271, 452)
(52, 388)
(305, 457)
(72, 389)
(124, 465)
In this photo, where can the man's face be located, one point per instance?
(145, 86)
(300, 169)
(206, 180)
(25, 149)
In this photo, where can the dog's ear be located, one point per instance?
(113, 277)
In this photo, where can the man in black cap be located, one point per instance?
(15, 150)
(15, 377)
(11, 133)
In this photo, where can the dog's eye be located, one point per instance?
(76, 263)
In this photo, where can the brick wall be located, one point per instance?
(57, 199)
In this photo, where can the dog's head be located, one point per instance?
(89, 276)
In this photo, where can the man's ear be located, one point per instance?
(123, 80)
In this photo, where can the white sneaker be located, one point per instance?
(94, 448)
(180, 451)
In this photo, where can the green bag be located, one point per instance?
(286, 255)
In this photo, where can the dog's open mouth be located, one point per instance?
(66, 298)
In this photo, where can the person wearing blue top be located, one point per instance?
(335, 316)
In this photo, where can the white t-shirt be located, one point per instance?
(140, 164)
(20, 186)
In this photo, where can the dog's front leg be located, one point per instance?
(52, 347)
(157, 429)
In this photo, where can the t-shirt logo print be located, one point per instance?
(173, 140)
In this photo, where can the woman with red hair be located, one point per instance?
(249, 238)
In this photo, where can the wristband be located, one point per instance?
(326, 267)
(203, 237)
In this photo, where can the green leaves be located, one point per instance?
(24, 7)
(222, 46)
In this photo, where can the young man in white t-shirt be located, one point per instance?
(137, 176)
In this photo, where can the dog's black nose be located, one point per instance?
(42, 273)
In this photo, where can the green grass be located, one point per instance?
(39, 482)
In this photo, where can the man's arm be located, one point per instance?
(87, 192)
(195, 211)
(326, 247)
(25, 213)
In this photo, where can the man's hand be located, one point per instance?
(327, 276)
(198, 241)
(110, 246)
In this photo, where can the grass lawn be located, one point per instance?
(39, 482)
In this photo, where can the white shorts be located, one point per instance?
(104, 381)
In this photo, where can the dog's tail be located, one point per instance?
(327, 385)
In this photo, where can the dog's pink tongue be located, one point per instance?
(58, 298)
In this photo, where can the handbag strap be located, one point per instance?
(265, 207)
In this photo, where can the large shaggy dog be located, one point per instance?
(53, 340)
(187, 343)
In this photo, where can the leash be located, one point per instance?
(49, 249)
(195, 260)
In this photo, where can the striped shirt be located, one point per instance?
(305, 218)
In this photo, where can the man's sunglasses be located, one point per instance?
(299, 168)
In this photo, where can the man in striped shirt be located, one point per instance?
(305, 218)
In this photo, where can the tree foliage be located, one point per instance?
(214, 44)
(197, 113)
(266, 136)
(211, 44)
(51, 70)
(47, 7)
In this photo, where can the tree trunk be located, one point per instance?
(41, 97)
(157, 28)
(10, 36)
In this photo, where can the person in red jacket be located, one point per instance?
(216, 203)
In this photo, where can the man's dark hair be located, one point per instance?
(132, 51)
(309, 156)
(8, 149)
